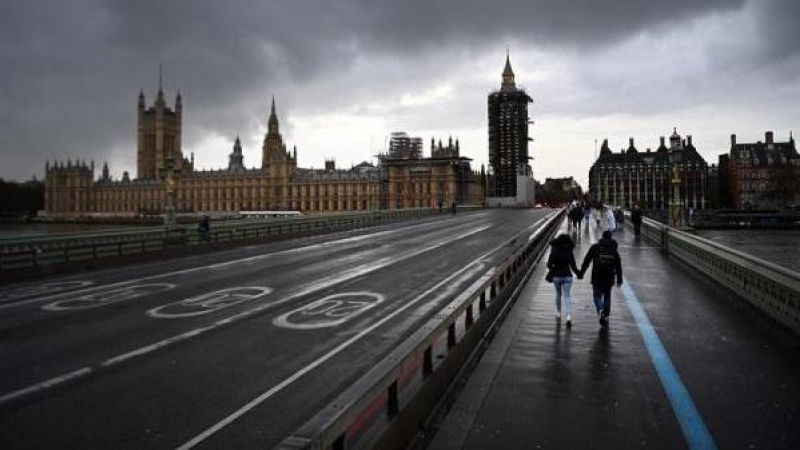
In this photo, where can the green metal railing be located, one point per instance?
(41, 251)
(772, 289)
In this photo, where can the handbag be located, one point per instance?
(549, 276)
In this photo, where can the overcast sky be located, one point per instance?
(346, 73)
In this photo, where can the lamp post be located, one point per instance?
(676, 218)
(167, 173)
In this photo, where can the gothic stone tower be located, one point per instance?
(508, 136)
(158, 136)
(278, 163)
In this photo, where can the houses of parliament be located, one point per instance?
(403, 178)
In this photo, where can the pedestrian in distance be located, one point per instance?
(611, 221)
(204, 229)
(587, 213)
(636, 218)
(606, 267)
(453, 207)
(561, 265)
(575, 215)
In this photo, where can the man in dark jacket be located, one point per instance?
(606, 266)
(636, 218)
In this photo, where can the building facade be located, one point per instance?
(444, 178)
(71, 187)
(508, 136)
(764, 175)
(652, 179)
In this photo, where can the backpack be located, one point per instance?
(604, 260)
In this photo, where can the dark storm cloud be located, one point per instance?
(72, 70)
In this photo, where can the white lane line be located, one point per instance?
(223, 264)
(297, 375)
(313, 365)
(38, 387)
(323, 284)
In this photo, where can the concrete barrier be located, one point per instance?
(386, 407)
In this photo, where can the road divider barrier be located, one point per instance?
(385, 408)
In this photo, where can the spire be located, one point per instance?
(141, 98)
(272, 123)
(160, 96)
(508, 75)
(178, 103)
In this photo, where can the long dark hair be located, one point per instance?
(563, 240)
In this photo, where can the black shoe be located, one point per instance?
(603, 319)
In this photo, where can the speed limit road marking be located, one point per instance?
(330, 311)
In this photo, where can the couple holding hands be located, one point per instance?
(606, 268)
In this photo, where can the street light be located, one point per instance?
(676, 199)
(167, 173)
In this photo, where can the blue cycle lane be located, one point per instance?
(680, 366)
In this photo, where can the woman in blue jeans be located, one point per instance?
(561, 264)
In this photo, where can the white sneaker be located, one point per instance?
(569, 320)
(558, 316)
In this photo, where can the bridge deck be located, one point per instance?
(540, 385)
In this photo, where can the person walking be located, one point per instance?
(606, 267)
(587, 212)
(610, 219)
(561, 265)
(636, 218)
(574, 216)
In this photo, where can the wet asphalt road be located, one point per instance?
(541, 385)
(233, 349)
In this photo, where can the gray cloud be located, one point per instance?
(72, 70)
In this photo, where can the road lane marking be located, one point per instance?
(329, 311)
(208, 302)
(52, 382)
(694, 429)
(307, 248)
(29, 291)
(313, 365)
(324, 284)
(108, 297)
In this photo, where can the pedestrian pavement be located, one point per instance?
(681, 365)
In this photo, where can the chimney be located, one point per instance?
(662, 140)
(733, 140)
(689, 140)
(769, 137)
(630, 142)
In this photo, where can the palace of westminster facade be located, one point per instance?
(402, 179)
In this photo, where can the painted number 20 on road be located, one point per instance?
(330, 311)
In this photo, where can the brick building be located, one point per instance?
(71, 187)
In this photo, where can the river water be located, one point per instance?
(781, 247)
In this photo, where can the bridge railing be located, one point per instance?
(42, 251)
(384, 408)
(772, 289)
